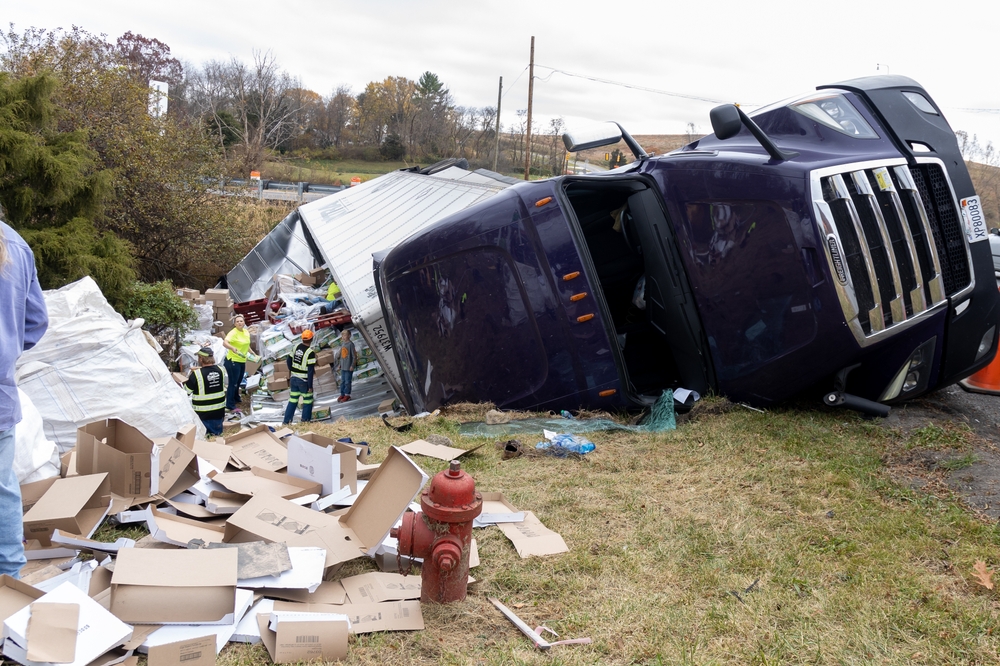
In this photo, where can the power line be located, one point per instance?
(634, 87)
(511, 86)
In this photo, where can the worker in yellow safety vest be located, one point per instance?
(301, 364)
(207, 386)
(333, 295)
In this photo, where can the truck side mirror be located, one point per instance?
(726, 122)
(729, 118)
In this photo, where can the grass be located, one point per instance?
(328, 172)
(669, 532)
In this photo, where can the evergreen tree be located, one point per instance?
(52, 192)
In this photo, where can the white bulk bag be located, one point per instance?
(93, 365)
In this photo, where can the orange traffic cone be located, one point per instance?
(986, 380)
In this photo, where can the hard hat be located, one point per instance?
(307, 335)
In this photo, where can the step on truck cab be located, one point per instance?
(831, 243)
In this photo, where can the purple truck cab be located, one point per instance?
(828, 245)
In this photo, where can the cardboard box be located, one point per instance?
(76, 505)
(278, 384)
(281, 369)
(326, 461)
(217, 294)
(15, 595)
(324, 357)
(119, 449)
(32, 492)
(174, 633)
(322, 371)
(97, 630)
(188, 294)
(175, 465)
(291, 637)
(388, 405)
(360, 530)
(259, 481)
(257, 447)
(180, 531)
(152, 586)
(199, 300)
(198, 651)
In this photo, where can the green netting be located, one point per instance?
(661, 417)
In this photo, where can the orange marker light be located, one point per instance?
(578, 297)
(583, 318)
(571, 276)
(605, 394)
(542, 202)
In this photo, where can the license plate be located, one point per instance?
(975, 221)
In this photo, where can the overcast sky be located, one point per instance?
(717, 50)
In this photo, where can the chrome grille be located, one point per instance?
(898, 232)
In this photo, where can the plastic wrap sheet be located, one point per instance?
(92, 365)
(35, 456)
(661, 417)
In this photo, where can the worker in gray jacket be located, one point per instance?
(348, 358)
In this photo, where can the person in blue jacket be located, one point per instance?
(23, 321)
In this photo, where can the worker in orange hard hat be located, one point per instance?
(301, 364)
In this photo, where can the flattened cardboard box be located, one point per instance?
(175, 586)
(119, 449)
(76, 505)
(323, 460)
(379, 586)
(258, 447)
(532, 538)
(360, 530)
(259, 481)
(368, 617)
(180, 531)
(391, 616)
(441, 452)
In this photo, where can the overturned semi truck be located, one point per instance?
(830, 244)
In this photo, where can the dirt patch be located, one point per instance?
(965, 459)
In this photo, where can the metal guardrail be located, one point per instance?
(271, 190)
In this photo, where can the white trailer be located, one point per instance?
(348, 227)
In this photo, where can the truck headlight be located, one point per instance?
(914, 374)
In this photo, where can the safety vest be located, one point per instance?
(303, 357)
(211, 393)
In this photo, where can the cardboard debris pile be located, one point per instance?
(246, 538)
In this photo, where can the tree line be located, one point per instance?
(100, 183)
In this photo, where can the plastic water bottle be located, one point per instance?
(566, 415)
(565, 443)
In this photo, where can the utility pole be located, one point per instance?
(531, 91)
(496, 153)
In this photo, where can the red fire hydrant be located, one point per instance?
(442, 534)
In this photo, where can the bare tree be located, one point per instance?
(250, 108)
